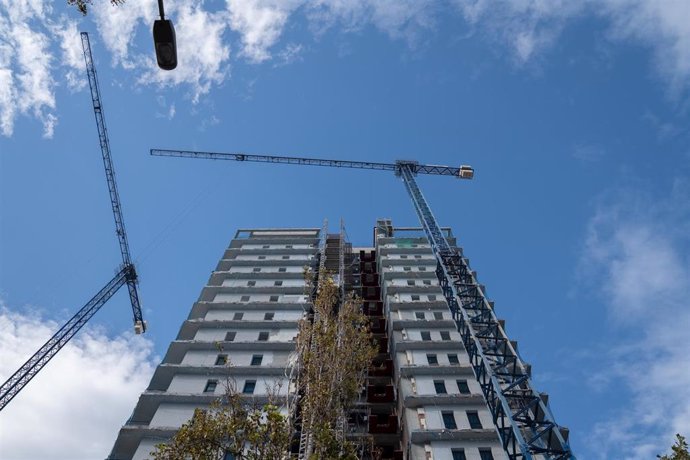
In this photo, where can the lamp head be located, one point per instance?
(164, 41)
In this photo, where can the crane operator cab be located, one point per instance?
(465, 172)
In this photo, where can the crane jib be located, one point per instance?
(462, 172)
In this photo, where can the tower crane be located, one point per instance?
(525, 425)
(126, 273)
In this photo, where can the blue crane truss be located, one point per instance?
(525, 425)
(139, 324)
(418, 168)
(524, 422)
(33, 365)
(126, 273)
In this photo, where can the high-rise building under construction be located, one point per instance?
(424, 397)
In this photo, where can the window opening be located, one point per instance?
(211, 386)
(249, 386)
(473, 418)
(463, 388)
(458, 454)
(440, 387)
(485, 454)
(449, 420)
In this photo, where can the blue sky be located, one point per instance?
(574, 115)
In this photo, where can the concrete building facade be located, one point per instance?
(421, 399)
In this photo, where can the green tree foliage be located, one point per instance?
(82, 5)
(335, 352)
(250, 432)
(679, 449)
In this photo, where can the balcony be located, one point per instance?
(381, 369)
(371, 293)
(380, 394)
(373, 308)
(377, 326)
(383, 424)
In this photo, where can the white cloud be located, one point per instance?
(72, 56)
(259, 23)
(203, 58)
(588, 152)
(530, 27)
(292, 52)
(118, 26)
(664, 26)
(26, 82)
(397, 18)
(526, 26)
(636, 254)
(34, 36)
(74, 408)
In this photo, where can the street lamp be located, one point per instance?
(164, 41)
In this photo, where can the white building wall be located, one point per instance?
(172, 415)
(254, 315)
(278, 266)
(245, 335)
(145, 448)
(229, 282)
(304, 257)
(235, 358)
(259, 297)
(266, 269)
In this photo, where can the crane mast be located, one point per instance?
(126, 273)
(139, 324)
(525, 425)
